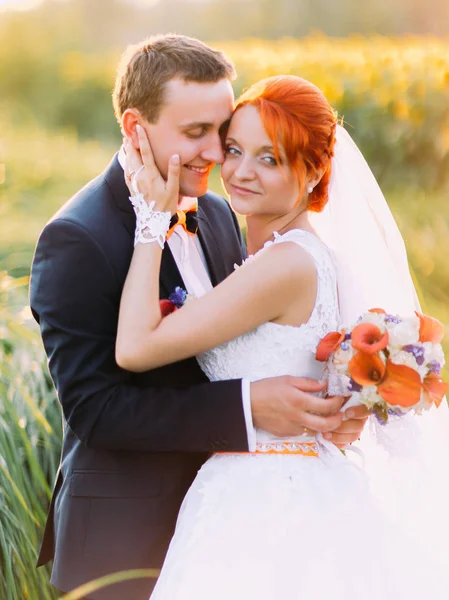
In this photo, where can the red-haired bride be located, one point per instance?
(295, 518)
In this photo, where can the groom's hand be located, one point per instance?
(287, 406)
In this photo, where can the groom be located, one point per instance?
(133, 443)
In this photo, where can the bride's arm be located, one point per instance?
(261, 290)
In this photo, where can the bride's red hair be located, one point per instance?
(297, 116)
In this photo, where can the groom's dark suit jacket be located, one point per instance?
(132, 442)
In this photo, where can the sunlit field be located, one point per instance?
(394, 97)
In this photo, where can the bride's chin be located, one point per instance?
(239, 207)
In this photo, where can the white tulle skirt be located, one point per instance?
(267, 527)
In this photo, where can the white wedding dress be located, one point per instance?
(267, 526)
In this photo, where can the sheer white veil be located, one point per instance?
(406, 460)
(358, 226)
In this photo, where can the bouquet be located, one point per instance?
(390, 364)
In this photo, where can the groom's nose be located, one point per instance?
(213, 151)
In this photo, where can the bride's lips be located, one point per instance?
(242, 191)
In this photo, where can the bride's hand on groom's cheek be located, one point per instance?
(351, 428)
(143, 176)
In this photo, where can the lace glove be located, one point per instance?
(151, 225)
(338, 385)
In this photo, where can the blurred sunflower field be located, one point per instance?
(57, 130)
(392, 93)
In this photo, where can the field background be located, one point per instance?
(385, 69)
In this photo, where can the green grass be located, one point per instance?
(30, 432)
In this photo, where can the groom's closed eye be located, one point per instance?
(196, 130)
(195, 134)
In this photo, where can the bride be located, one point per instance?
(296, 518)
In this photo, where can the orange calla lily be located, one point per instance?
(379, 311)
(328, 345)
(167, 307)
(368, 338)
(366, 369)
(435, 388)
(401, 385)
(430, 329)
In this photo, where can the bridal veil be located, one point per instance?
(407, 460)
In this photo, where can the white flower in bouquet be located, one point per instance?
(369, 396)
(403, 333)
(433, 352)
(342, 356)
(374, 318)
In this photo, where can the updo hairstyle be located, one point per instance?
(297, 116)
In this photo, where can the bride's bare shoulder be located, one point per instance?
(286, 259)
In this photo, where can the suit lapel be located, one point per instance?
(212, 252)
(169, 277)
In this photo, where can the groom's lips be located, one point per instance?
(198, 170)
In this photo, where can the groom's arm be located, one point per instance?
(74, 299)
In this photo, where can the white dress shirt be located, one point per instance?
(191, 262)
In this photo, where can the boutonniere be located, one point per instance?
(176, 299)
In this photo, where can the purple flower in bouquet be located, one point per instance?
(434, 367)
(344, 345)
(382, 415)
(395, 413)
(381, 418)
(353, 386)
(417, 351)
(392, 319)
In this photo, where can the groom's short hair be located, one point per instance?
(146, 67)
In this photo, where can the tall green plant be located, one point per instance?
(30, 425)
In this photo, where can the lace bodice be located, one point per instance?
(273, 349)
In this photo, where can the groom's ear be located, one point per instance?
(130, 118)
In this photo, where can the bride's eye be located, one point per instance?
(231, 150)
(269, 160)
